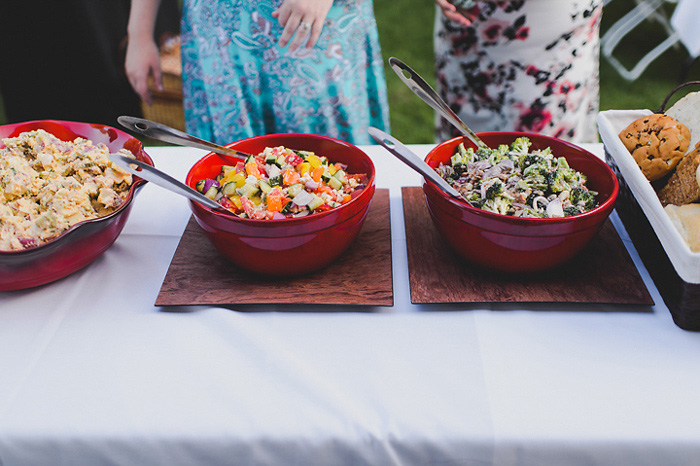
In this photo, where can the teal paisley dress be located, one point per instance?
(238, 82)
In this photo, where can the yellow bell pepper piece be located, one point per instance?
(304, 168)
(314, 160)
(236, 200)
(238, 178)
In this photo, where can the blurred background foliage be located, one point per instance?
(406, 32)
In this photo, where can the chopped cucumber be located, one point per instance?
(229, 189)
(335, 183)
(275, 180)
(212, 192)
(265, 187)
(316, 202)
(340, 176)
(271, 158)
(295, 189)
(248, 190)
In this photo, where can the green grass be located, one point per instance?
(406, 32)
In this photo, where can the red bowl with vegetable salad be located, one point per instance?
(520, 244)
(276, 245)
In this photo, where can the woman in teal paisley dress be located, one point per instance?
(258, 67)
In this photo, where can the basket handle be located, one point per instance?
(679, 87)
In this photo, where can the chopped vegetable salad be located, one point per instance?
(282, 183)
(512, 180)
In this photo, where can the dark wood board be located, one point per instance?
(362, 275)
(603, 273)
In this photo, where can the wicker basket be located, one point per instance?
(167, 104)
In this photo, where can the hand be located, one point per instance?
(142, 61)
(452, 13)
(302, 19)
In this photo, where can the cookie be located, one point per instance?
(657, 143)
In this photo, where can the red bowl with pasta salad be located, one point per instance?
(294, 206)
(64, 202)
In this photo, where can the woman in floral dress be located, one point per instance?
(523, 65)
(254, 67)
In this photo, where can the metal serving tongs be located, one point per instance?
(155, 176)
(405, 154)
(165, 133)
(423, 90)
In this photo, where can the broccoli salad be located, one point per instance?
(512, 180)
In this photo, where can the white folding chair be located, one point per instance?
(645, 10)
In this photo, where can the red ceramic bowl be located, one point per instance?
(294, 246)
(85, 241)
(514, 244)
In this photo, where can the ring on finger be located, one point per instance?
(303, 25)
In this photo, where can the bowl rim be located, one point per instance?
(135, 185)
(608, 204)
(289, 221)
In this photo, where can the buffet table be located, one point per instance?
(93, 373)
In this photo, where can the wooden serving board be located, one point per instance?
(198, 275)
(604, 272)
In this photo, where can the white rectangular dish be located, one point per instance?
(674, 268)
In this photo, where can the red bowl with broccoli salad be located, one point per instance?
(531, 203)
(294, 206)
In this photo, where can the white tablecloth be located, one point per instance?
(92, 373)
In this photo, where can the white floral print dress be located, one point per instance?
(523, 65)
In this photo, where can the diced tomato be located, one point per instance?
(248, 206)
(226, 204)
(289, 177)
(293, 159)
(276, 200)
(324, 188)
(251, 168)
(322, 208)
(316, 174)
